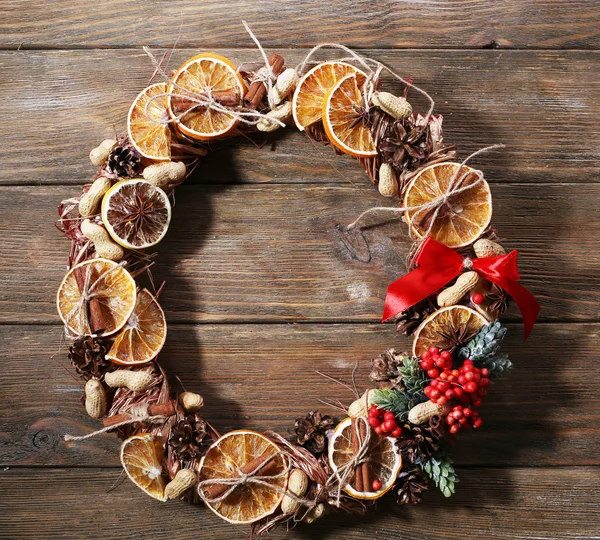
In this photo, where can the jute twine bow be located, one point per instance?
(251, 477)
(137, 413)
(433, 207)
(88, 292)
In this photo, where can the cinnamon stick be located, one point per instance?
(257, 90)
(95, 314)
(364, 467)
(158, 409)
(216, 490)
(227, 98)
(354, 440)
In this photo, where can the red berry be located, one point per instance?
(389, 416)
(484, 383)
(389, 425)
(426, 365)
(427, 391)
(477, 298)
(433, 350)
(449, 394)
(374, 421)
(478, 423)
(433, 373)
(467, 412)
(397, 432)
(469, 375)
(471, 387)
(477, 402)
(434, 394)
(462, 421)
(374, 410)
(485, 372)
(462, 380)
(458, 414)
(446, 355)
(378, 430)
(383, 428)
(454, 429)
(376, 485)
(450, 420)
(442, 400)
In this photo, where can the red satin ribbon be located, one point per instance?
(437, 264)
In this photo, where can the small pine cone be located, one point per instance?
(189, 438)
(124, 161)
(418, 443)
(384, 368)
(311, 431)
(88, 356)
(408, 321)
(411, 486)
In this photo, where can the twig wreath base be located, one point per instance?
(396, 435)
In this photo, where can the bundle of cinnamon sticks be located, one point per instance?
(362, 475)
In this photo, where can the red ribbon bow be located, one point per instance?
(438, 264)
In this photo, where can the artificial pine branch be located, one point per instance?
(414, 378)
(439, 468)
(483, 349)
(397, 401)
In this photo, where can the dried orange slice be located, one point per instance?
(144, 334)
(345, 119)
(447, 322)
(384, 460)
(466, 215)
(307, 103)
(141, 457)
(225, 458)
(148, 123)
(205, 75)
(136, 213)
(110, 284)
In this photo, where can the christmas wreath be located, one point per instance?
(397, 434)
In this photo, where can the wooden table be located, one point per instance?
(261, 293)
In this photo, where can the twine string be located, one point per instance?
(137, 413)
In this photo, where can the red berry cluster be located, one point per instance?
(383, 422)
(467, 385)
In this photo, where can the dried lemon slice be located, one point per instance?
(345, 119)
(206, 75)
(225, 458)
(136, 213)
(307, 103)
(148, 123)
(109, 284)
(444, 324)
(384, 461)
(463, 218)
(144, 334)
(141, 457)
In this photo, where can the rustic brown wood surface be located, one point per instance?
(253, 248)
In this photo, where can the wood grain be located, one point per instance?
(542, 104)
(500, 504)
(455, 23)
(264, 377)
(271, 253)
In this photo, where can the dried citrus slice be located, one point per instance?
(345, 119)
(148, 123)
(144, 334)
(141, 457)
(110, 285)
(465, 216)
(384, 460)
(225, 458)
(307, 103)
(444, 325)
(136, 213)
(206, 75)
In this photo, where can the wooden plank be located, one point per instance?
(272, 254)
(542, 104)
(457, 23)
(264, 377)
(490, 503)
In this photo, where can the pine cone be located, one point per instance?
(189, 438)
(385, 368)
(311, 431)
(124, 161)
(411, 486)
(88, 356)
(408, 321)
(418, 443)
